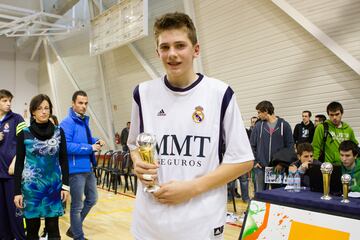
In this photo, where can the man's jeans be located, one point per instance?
(259, 174)
(80, 184)
(244, 186)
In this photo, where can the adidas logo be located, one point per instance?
(161, 113)
(218, 231)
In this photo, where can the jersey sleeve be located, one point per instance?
(237, 144)
(135, 120)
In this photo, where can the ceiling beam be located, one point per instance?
(321, 36)
(60, 7)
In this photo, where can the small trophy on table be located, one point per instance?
(326, 170)
(345, 180)
(146, 143)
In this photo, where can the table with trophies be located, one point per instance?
(315, 201)
(280, 214)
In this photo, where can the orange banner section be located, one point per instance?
(301, 231)
(256, 234)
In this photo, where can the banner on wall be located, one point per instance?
(272, 221)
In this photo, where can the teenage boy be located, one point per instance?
(350, 163)
(338, 131)
(11, 224)
(194, 117)
(305, 157)
(319, 118)
(304, 131)
(270, 135)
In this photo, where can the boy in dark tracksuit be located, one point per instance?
(269, 135)
(11, 224)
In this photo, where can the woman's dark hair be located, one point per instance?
(36, 102)
(55, 119)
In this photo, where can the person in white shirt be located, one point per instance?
(192, 117)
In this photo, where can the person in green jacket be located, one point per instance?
(350, 163)
(338, 131)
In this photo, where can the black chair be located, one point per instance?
(100, 168)
(119, 170)
(130, 174)
(96, 169)
(106, 171)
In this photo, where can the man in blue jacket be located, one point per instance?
(270, 135)
(11, 224)
(80, 149)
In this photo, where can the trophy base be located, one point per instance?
(326, 197)
(345, 201)
(151, 189)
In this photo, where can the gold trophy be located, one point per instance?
(326, 170)
(345, 180)
(146, 143)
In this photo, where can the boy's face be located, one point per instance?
(177, 53)
(317, 121)
(347, 158)
(305, 117)
(5, 104)
(335, 117)
(306, 157)
(262, 115)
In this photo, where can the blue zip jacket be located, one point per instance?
(264, 144)
(80, 153)
(8, 144)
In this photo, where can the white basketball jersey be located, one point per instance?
(193, 126)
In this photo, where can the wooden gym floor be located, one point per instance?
(112, 215)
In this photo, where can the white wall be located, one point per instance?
(264, 54)
(17, 73)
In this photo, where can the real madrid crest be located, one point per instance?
(198, 116)
(6, 127)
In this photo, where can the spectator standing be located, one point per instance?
(319, 118)
(80, 148)
(304, 131)
(41, 182)
(11, 224)
(270, 135)
(124, 137)
(337, 131)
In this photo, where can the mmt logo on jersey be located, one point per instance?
(191, 145)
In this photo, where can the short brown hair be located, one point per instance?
(308, 112)
(265, 106)
(176, 20)
(304, 147)
(37, 100)
(78, 93)
(5, 94)
(348, 145)
(333, 107)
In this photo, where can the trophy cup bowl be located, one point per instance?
(345, 180)
(326, 170)
(146, 144)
